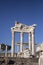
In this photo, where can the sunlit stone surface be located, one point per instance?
(22, 28)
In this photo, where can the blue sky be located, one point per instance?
(24, 11)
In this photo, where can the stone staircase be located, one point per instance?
(19, 61)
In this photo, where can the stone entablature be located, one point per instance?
(23, 28)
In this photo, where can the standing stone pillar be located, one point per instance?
(0, 47)
(21, 42)
(6, 51)
(12, 48)
(40, 60)
(33, 43)
(0, 50)
(30, 42)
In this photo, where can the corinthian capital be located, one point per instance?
(32, 31)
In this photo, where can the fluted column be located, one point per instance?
(33, 43)
(30, 42)
(21, 41)
(12, 48)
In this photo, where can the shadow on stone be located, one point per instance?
(11, 62)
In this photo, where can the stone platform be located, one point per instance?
(18, 61)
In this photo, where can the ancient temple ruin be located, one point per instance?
(33, 54)
(30, 30)
(33, 50)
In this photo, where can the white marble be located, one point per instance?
(22, 28)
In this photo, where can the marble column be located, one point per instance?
(40, 60)
(0, 47)
(21, 41)
(33, 43)
(30, 42)
(12, 48)
(6, 51)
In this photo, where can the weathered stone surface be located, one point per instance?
(22, 28)
(41, 60)
(19, 61)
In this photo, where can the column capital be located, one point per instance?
(29, 32)
(21, 33)
(32, 31)
(13, 31)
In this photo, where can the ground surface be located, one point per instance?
(18, 61)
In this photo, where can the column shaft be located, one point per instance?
(0, 47)
(33, 43)
(12, 48)
(6, 51)
(21, 41)
(30, 42)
